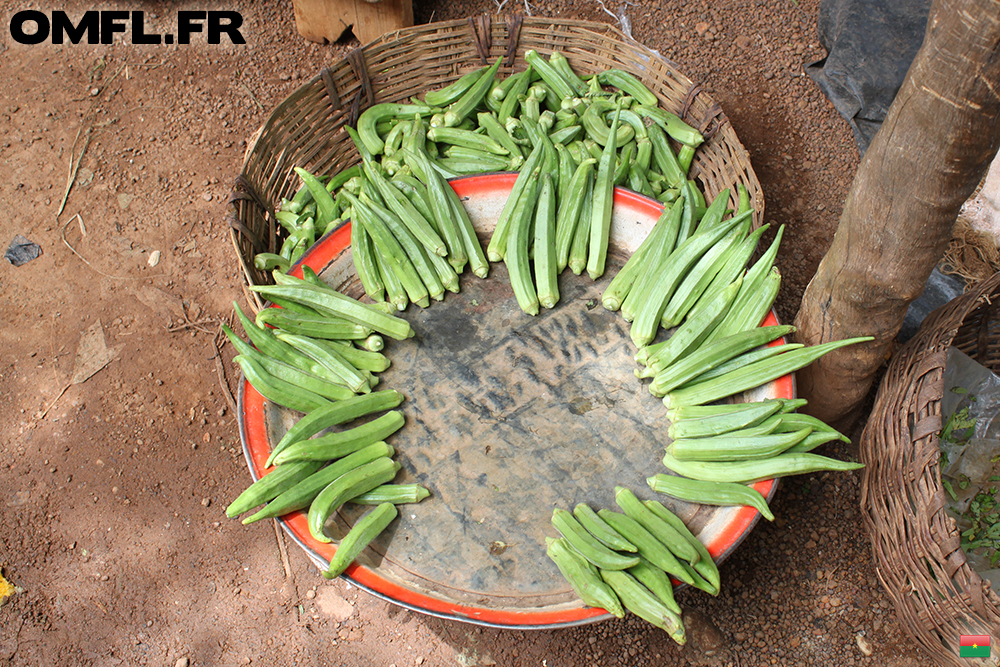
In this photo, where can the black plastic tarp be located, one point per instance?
(870, 45)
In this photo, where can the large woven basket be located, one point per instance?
(306, 129)
(918, 555)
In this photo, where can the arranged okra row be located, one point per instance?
(319, 355)
(716, 450)
(629, 560)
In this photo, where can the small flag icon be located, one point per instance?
(974, 646)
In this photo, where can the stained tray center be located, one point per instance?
(509, 416)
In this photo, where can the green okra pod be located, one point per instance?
(629, 84)
(442, 97)
(333, 414)
(674, 268)
(794, 421)
(460, 109)
(389, 274)
(694, 330)
(577, 258)
(604, 192)
(328, 358)
(705, 566)
(657, 244)
(397, 494)
(743, 415)
(733, 265)
(745, 359)
(325, 206)
(658, 528)
(599, 528)
(647, 545)
(640, 601)
(391, 251)
(276, 390)
(368, 120)
(649, 270)
(720, 494)
(360, 536)
(783, 465)
(561, 64)
(657, 581)
(586, 583)
(570, 207)
(270, 485)
(755, 277)
(497, 246)
(549, 74)
(347, 486)
(340, 443)
(521, 81)
(587, 545)
(754, 374)
(316, 379)
(364, 263)
(314, 326)
(671, 124)
(733, 447)
(700, 276)
(516, 256)
(546, 274)
(668, 376)
(302, 494)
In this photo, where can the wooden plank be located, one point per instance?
(327, 20)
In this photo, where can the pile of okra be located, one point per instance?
(694, 306)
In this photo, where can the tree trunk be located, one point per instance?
(934, 147)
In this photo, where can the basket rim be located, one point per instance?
(714, 118)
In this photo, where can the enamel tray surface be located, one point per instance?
(508, 416)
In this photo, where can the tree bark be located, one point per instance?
(936, 143)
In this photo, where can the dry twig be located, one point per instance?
(74, 250)
(283, 550)
(188, 324)
(220, 369)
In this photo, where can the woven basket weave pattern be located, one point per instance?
(917, 547)
(306, 129)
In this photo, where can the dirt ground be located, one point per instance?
(113, 489)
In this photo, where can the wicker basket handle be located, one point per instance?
(356, 59)
(483, 35)
(243, 190)
(713, 113)
(513, 35)
(331, 89)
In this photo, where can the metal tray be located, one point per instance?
(508, 416)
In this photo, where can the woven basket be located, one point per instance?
(916, 544)
(306, 129)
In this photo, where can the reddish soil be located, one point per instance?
(112, 490)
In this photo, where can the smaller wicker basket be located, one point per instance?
(917, 547)
(306, 129)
